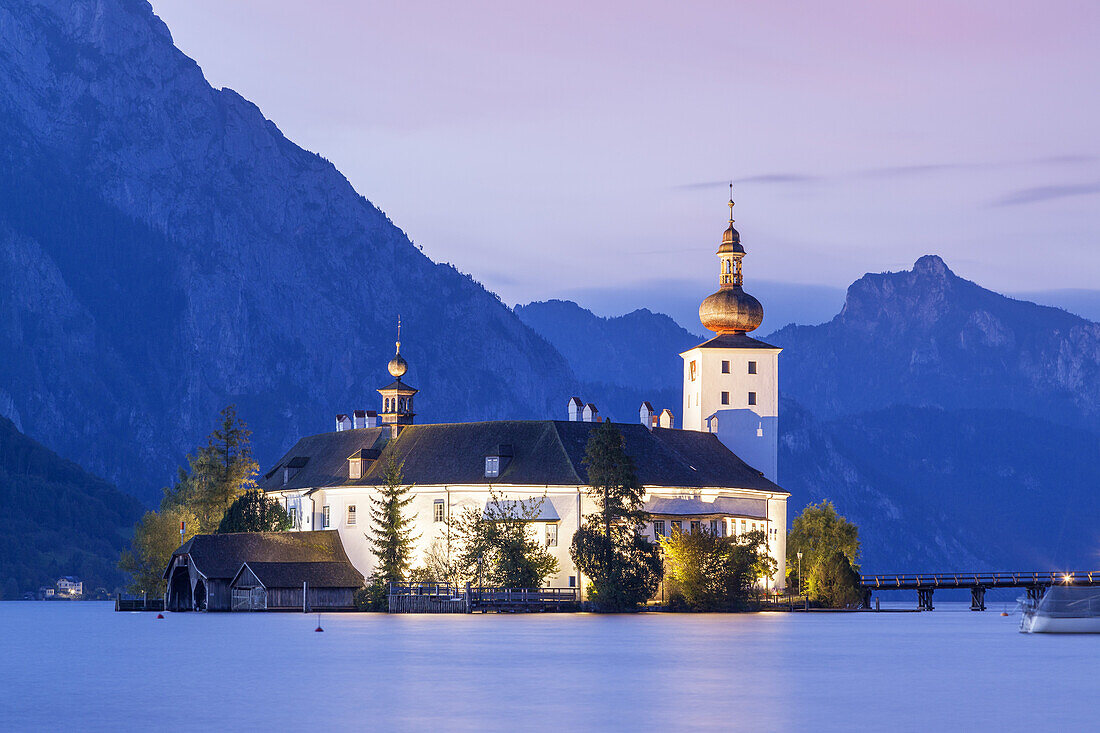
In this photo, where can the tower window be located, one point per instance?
(726, 367)
(437, 510)
(691, 370)
(725, 398)
(752, 367)
(752, 398)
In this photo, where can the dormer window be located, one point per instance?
(492, 466)
(496, 462)
(355, 468)
(360, 462)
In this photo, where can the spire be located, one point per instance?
(399, 328)
(731, 309)
(731, 203)
(398, 366)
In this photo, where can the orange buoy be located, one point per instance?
(160, 615)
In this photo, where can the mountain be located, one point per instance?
(620, 361)
(927, 337)
(165, 250)
(948, 490)
(60, 520)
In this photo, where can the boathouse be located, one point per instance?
(201, 571)
(279, 586)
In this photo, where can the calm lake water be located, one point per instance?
(82, 665)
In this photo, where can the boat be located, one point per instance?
(1063, 609)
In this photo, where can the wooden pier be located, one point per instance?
(447, 598)
(1035, 584)
(138, 603)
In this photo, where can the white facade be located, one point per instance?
(569, 504)
(734, 392)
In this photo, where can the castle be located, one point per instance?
(717, 472)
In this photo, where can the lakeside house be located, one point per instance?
(718, 471)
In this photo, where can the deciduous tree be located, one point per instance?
(818, 533)
(497, 545)
(710, 573)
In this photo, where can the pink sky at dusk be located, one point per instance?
(558, 147)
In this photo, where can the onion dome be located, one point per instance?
(731, 309)
(398, 366)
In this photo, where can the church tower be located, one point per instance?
(731, 382)
(397, 398)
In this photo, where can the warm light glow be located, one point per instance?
(1067, 578)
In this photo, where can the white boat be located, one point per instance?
(1063, 609)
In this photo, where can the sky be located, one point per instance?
(584, 150)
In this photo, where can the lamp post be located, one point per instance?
(799, 553)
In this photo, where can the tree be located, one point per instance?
(834, 582)
(156, 537)
(217, 474)
(253, 511)
(497, 545)
(710, 573)
(819, 532)
(624, 567)
(391, 535)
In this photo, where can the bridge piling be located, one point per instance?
(924, 599)
(977, 598)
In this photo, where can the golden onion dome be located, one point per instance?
(731, 242)
(731, 310)
(398, 366)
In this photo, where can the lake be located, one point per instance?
(83, 665)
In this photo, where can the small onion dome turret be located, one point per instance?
(398, 366)
(731, 241)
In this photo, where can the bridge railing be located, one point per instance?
(1008, 579)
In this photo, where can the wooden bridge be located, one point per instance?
(1035, 583)
(447, 598)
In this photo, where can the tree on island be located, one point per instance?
(497, 545)
(710, 573)
(821, 534)
(390, 537)
(253, 511)
(217, 474)
(625, 569)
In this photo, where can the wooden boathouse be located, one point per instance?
(295, 586)
(201, 572)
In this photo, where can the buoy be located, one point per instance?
(1004, 613)
(160, 615)
(318, 623)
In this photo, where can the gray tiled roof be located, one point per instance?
(546, 453)
(221, 555)
(733, 341)
(317, 574)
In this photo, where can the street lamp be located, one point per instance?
(799, 553)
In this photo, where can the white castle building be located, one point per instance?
(718, 472)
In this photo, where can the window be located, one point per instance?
(658, 528)
(752, 398)
(714, 527)
(355, 468)
(551, 535)
(752, 367)
(351, 515)
(743, 528)
(691, 370)
(695, 527)
(292, 512)
(324, 517)
(572, 581)
(725, 398)
(677, 525)
(492, 466)
(437, 510)
(726, 367)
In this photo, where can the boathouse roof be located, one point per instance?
(293, 574)
(221, 555)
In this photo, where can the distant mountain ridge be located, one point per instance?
(60, 520)
(927, 337)
(165, 251)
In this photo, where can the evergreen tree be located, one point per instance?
(834, 582)
(624, 567)
(253, 511)
(391, 536)
(217, 474)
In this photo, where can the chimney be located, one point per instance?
(372, 419)
(575, 408)
(667, 420)
(590, 413)
(645, 415)
(343, 422)
(359, 419)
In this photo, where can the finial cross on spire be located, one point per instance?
(731, 202)
(399, 334)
